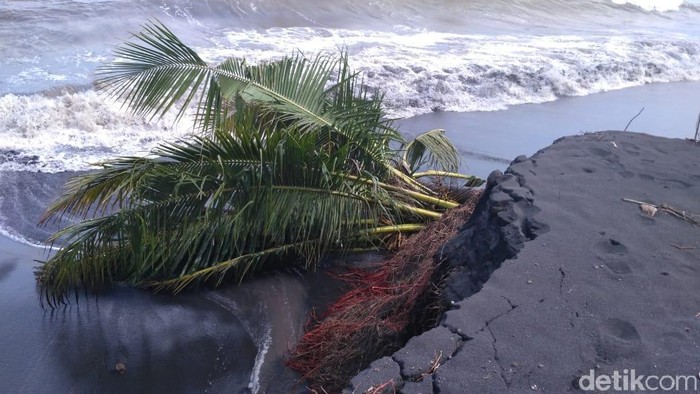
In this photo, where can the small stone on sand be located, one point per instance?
(120, 368)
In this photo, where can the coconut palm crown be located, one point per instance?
(290, 160)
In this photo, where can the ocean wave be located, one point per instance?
(69, 129)
(358, 10)
(7, 233)
(289, 13)
(656, 5)
(63, 41)
(423, 71)
(420, 71)
(65, 125)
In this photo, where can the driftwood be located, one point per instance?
(632, 120)
(690, 218)
(683, 247)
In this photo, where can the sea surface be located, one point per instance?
(428, 55)
(504, 77)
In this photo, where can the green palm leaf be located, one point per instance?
(296, 163)
(433, 149)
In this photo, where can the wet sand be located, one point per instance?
(490, 140)
(167, 344)
(231, 340)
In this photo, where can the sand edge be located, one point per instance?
(598, 285)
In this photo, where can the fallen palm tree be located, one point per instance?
(291, 160)
(372, 319)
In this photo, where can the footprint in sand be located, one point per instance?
(675, 183)
(675, 342)
(626, 174)
(631, 149)
(614, 258)
(609, 157)
(656, 148)
(612, 246)
(600, 152)
(617, 339)
(668, 183)
(618, 267)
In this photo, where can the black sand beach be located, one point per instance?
(574, 279)
(589, 282)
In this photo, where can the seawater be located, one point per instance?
(427, 55)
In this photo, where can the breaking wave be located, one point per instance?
(427, 55)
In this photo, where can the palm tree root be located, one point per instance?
(382, 309)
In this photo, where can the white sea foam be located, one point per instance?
(423, 71)
(654, 5)
(35, 74)
(6, 232)
(71, 131)
(263, 347)
(420, 66)
(420, 71)
(260, 331)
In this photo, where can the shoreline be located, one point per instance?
(490, 140)
(486, 140)
(558, 278)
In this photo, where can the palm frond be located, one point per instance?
(433, 149)
(156, 71)
(297, 161)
